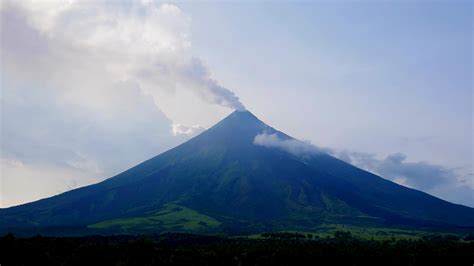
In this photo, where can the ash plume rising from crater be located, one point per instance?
(225, 97)
(213, 92)
(142, 59)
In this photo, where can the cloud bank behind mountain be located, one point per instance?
(83, 85)
(435, 179)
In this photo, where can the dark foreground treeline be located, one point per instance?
(273, 249)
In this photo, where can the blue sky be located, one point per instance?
(391, 70)
(385, 85)
(374, 77)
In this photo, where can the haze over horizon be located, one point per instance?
(89, 90)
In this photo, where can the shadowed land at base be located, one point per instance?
(283, 248)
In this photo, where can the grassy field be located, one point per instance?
(370, 232)
(171, 218)
(176, 218)
(365, 233)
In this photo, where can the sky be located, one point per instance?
(89, 89)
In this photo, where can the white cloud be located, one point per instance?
(80, 88)
(434, 179)
(189, 131)
(447, 183)
(148, 44)
(293, 146)
(24, 182)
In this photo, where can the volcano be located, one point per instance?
(223, 180)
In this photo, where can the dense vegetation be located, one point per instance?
(267, 249)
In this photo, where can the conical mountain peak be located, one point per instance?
(244, 118)
(230, 183)
(239, 125)
(243, 114)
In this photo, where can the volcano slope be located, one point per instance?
(224, 180)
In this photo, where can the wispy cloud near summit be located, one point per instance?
(293, 146)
